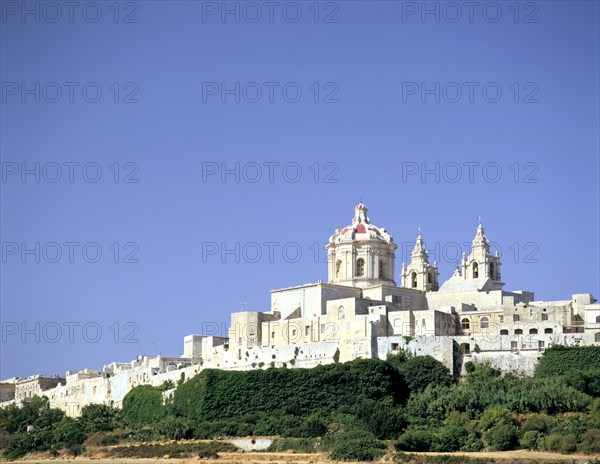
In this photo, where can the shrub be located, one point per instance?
(568, 444)
(530, 440)
(495, 416)
(551, 442)
(590, 443)
(68, 433)
(450, 438)
(208, 454)
(217, 394)
(501, 437)
(356, 449)
(175, 428)
(541, 423)
(76, 449)
(298, 445)
(415, 440)
(98, 417)
(143, 405)
(382, 419)
(568, 361)
(421, 371)
(312, 427)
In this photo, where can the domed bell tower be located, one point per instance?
(361, 255)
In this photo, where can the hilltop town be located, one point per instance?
(360, 312)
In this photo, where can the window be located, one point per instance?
(484, 322)
(322, 328)
(548, 331)
(492, 270)
(240, 341)
(518, 331)
(395, 346)
(251, 341)
(544, 317)
(465, 348)
(516, 318)
(475, 270)
(272, 334)
(293, 332)
(398, 322)
(430, 277)
(341, 312)
(464, 324)
(413, 279)
(513, 345)
(597, 318)
(597, 337)
(360, 267)
(504, 332)
(406, 302)
(381, 269)
(541, 345)
(307, 330)
(338, 269)
(533, 331)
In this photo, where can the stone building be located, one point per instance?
(358, 312)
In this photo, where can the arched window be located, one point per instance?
(341, 312)
(475, 270)
(492, 270)
(533, 331)
(484, 322)
(518, 331)
(413, 280)
(464, 324)
(597, 337)
(504, 332)
(360, 267)
(338, 269)
(597, 318)
(548, 331)
(381, 269)
(398, 322)
(430, 277)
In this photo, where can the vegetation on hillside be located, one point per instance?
(358, 410)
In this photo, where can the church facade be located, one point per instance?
(361, 311)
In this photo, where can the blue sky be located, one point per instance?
(350, 99)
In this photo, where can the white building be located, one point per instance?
(359, 312)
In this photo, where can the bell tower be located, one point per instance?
(420, 274)
(481, 263)
(360, 254)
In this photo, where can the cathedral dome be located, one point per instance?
(360, 229)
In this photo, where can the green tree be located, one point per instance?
(502, 437)
(98, 417)
(143, 405)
